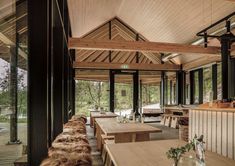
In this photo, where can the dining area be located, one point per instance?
(133, 143)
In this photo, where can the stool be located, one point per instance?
(168, 121)
(106, 158)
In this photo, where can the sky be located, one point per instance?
(3, 64)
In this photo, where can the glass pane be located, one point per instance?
(196, 88)
(123, 98)
(13, 81)
(171, 88)
(207, 84)
(91, 95)
(219, 80)
(187, 89)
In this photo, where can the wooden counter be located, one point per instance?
(218, 127)
(215, 109)
(153, 153)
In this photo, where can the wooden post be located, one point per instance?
(13, 93)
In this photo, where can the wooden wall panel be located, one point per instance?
(209, 124)
(219, 133)
(205, 127)
(230, 135)
(213, 132)
(224, 133)
(218, 130)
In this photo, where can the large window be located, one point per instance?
(170, 88)
(219, 81)
(187, 88)
(207, 84)
(13, 80)
(196, 87)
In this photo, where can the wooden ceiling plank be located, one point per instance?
(201, 61)
(132, 66)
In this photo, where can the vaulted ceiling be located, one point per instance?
(169, 21)
(172, 21)
(175, 21)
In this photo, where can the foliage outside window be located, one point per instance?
(187, 89)
(90, 94)
(150, 94)
(196, 87)
(219, 81)
(207, 84)
(171, 88)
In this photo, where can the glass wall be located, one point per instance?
(196, 87)
(92, 91)
(207, 84)
(187, 90)
(13, 80)
(170, 88)
(219, 81)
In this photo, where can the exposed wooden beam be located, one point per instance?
(87, 44)
(7, 41)
(125, 66)
(4, 50)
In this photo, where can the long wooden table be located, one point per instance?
(123, 132)
(153, 153)
(97, 114)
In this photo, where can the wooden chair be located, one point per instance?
(106, 158)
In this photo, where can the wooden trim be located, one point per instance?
(128, 66)
(87, 44)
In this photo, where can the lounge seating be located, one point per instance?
(71, 147)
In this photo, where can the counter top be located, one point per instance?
(214, 109)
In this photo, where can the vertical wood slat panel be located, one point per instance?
(213, 131)
(196, 122)
(224, 134)
(209, 131)
(230, 135)
(205, 121)
(219, 133)
(218, 130)
(200, 123)
(190, 124)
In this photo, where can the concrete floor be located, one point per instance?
(9, 153)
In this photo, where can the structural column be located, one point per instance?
(214, 81)
(162, 89)
(136, 92)
(227, 68)
(13, 93)
(38, 91)
(192, 88)
(111, 90)
(180, 85)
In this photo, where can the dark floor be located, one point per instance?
(167, 133)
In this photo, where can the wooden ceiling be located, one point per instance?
(154, 20)
(9, 24)
(158, 20)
